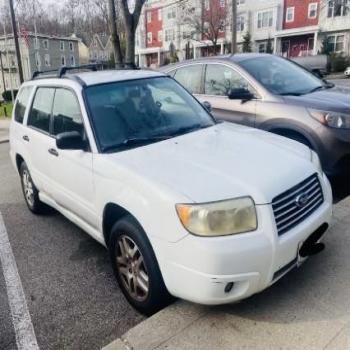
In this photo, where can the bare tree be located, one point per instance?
(114, 34)
(209, 23)
(131, 20)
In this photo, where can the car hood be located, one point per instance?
(336, 99)
(221, 162)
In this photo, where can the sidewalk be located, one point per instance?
(4, 130)
(307, 309)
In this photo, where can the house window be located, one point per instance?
(338, 8)
(159, 15)
(63, 60)
(149, 16)
(222, 3)
(262, 47)
(240, 23)
(149, 37)
(169, 35)
(172, 13)
(312, 10)
(71, 46)
(290, 14)
(336, 43)
(47, 60)
(72, 60)
(222, 25)
(240, 2)
(265, 19)
(160, 36)
(36, 43)
(207, 5)
(37, 59)
(62, 45)
(46, 44)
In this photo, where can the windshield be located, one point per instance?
(133, 113)
(280, 76)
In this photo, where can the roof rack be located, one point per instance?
(62, 71)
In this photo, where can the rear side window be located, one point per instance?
(190, 77)
(22, 103)
(40, 114)
(66, 113)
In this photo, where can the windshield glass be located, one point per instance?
(281, 76)
(133, 113)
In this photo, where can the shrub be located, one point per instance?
(6, 95)
(339, 62)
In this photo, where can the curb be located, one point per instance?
(159, 328)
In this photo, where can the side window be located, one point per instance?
(219, 79)
(40, 114)
(22, 103)
(66, 113)
(172, 73)
(190, 77)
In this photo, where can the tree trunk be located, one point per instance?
(234, 27)
(118, 56)
(130, 49)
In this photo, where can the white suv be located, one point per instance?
(205, 211)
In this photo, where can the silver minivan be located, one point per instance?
(274, 94)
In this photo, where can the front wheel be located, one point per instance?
(136, 268)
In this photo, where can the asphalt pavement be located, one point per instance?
(72, 297)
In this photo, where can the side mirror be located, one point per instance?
(71, 140)
(240, 94)
(207, 106)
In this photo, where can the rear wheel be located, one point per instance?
(30, 192)
(136, 267)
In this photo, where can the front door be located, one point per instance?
(218, 81)
(71, 170)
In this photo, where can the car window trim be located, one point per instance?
(257, 95)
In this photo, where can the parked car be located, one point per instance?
(319, 65)
(186, 206)
(347, 72)
(274, 94)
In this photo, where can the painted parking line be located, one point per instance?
(22, 323)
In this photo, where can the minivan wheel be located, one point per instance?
(30, 192)
(136, 267)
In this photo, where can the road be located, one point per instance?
(341, 82)
(72, 297)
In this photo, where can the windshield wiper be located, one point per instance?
(321, 87)
(187, 129)
(290, 94)
(134, 141)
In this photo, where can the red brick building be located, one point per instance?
(300, 26)
(154, 33)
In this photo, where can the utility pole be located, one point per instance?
(15, 37)
(2, 71)
(234, 26)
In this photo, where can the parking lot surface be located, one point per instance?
(70, 290)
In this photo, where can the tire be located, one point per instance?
(30, 192)
(149, 294)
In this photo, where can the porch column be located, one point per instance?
(222, 48)
(159, 57)
(194, 51)
(275, 51)
(315, 43)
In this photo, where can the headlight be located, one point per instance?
(332, 119)
(315, 159)
(222, 218)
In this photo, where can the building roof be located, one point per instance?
(44, 36)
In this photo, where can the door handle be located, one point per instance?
(25, 138)
(53, 152)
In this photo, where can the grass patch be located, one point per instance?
(6, 106)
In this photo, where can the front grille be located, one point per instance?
(288, 212)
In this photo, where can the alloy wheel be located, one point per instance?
(28, 188)
(131, 268)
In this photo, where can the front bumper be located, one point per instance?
(198, 269)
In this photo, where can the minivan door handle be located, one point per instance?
(25, 138)
(53, 152)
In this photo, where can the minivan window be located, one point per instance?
(22, 103)
(40, 114)
(66, 113)
(190, 77)
(281, 76)
(220, 79)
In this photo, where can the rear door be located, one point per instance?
(38, 139)
(218, 80)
